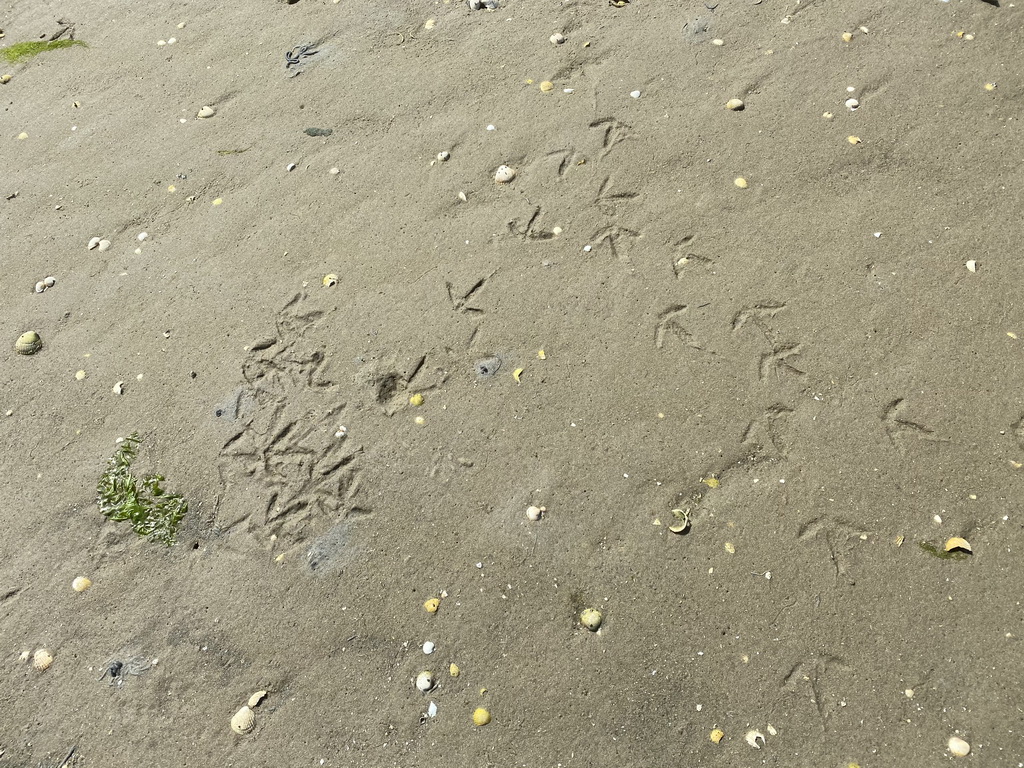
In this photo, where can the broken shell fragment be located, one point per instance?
(81, 584)
(852, 104)
(753, 737)
(956, 543)
(504, 174)
(591, 618)
(256, 698)
(243, 721)
(547, 86)
(93, 242)
(735, 105)
(205, 112)
(104, 245)
(740, 182)
(28, 343)
(453, 670)
(431, 605)
(481, 716)
(958, 747)
(40, 286)
(681, 521)
(557, 39)
(330, 281)
(717, 735)
(425, 681)
(416, 400)
(444, 156)
(50, 281)
(42, 659)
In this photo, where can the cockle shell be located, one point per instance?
(591, 618)
(425, 681)
(42, 659)
(28, 343)
(244, 721)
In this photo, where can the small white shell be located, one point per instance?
(734, 104)
(557, 39)
(444, 156)
(142, 236)
(428, 647)
(425, 681)
(104, 245)
(534, 513)
(504, 174)
(591, 618)
(118, 389)
(42, 659)
(243, 721)
(94, 242)
(40, 286)
(50, 281)
(958, 747)
(852, 104)
(205, 112)
(81, 584)
(752, 738)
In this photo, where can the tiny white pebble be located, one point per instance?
(490, 128)
(428, 647)
(718, 41)
(587, 249)
(334, 171)
(172, 40)
(635, 94)
(161, 42)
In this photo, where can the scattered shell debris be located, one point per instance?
(243, 721)
(81, 583)
(591, 618)
(958, 747)
(481, 716)
(753, 738)
(504, 174)
(42, 659)
(425, 681)
(28, 343)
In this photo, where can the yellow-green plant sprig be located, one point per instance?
(152, 511)
(18, 52)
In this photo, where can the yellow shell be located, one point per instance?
(432, 605)
(717, 735)
(854, 139)
(740, 182)
(547, 86)
(957, 543)
(81, 584)
(481, 716)
(734, 104)
(244, 720)
(42, 659)
(416, 399)
(453, 670)
(591, 618)
(847, 36)
(28, 343)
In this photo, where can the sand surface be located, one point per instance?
(807, 366)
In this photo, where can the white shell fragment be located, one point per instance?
(852, 104)
(142, 236)
(534, 513)
(958, 747)
(81, 584)
(40, 286)
(736, 105)
(104, 245)
(557, 39)
(444, 156)
(428, 647)
(94, 242)
(504, 174)
(256, 698)
(425, 681)
(432, 710)
(118, 389)
(243, 721)
(206, 112)
(753, 737)
(42, 659)
(972, 265)
(50, 281)
(635, 94)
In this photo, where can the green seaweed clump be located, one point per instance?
(18, 52)
(152, 511)
(935, 551)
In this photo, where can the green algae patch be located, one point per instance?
(938, 552)
(19, 52)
